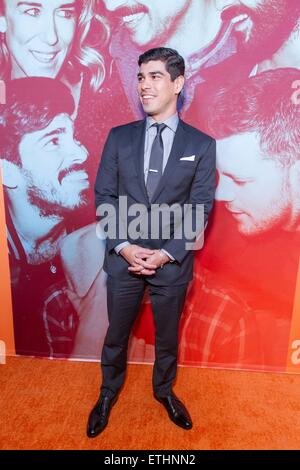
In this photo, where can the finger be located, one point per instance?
(145, 250)
(145, 264)
(149, 265)
(134, 269)
(144, 254)
(135, 264)
(144, 272)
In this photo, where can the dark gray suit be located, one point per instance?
(121, 173)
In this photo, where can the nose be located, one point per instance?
(77, 153)
(222, 4)
(145, 84)
(49, 31)
(225, 189)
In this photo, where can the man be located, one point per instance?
(160, 160)
(266, 31)
(266, 34)
(189, 26)
(258, 149)
(258, 161)
(44, 184)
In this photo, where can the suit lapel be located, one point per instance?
(138, 150)
(177, 150)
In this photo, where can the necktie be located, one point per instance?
(156, 161)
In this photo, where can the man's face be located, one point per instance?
(52, 167)
(255, 189)
(148, 21)
(39, 35)
(158, 93)
(260, 23)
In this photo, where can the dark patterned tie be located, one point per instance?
(156, 161)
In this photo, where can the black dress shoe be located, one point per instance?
(176, 410)
(99, 415)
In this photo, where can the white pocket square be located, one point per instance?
(188, 159)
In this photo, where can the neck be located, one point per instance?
(40, 236)
(195, 29)
(286, 56)
(163, 116)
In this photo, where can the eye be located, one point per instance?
(53, 143)
(67, 14)
(241, 182)
(33, 12)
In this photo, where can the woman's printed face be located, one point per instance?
(39, 35)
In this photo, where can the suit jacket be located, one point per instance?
(121, 173)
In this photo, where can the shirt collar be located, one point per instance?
(171, 122)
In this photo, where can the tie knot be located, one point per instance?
(159, 127)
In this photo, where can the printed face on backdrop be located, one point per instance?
(52, 167)
(38, 35)
(260, 23)
(148, 20)
(158, 93)
(254, 188)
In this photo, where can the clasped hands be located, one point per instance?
(142, 260)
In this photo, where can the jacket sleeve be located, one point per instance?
(107, 194)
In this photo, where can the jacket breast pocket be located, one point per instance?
(182, 176)
(186, 168)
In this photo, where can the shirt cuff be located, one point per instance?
(119, 247)
(168, 254)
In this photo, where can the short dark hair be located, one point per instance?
(31, 104)
(174, 62)
(263, 104)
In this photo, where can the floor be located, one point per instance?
(44, 405)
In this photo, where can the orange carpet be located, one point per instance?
(44, 405)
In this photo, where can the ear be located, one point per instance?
(179, 83)
(11, 174)
(3, 24)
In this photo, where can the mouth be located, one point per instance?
(44, 57)
(132, 20)
(131, 16)
(237, 16)
(80, 175)
(237, 214)
(239, 19)
(234, 210)
(146, 99)
(76, 176)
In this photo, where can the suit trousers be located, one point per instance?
(124, 297)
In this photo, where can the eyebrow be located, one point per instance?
(158, 72)
(35, 4)
(59, 130)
